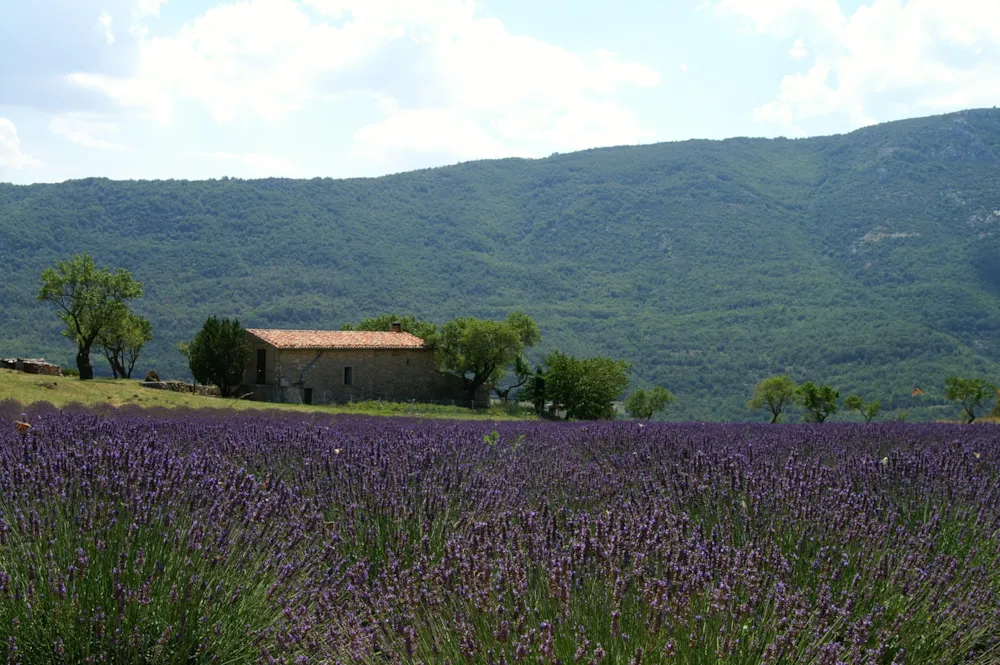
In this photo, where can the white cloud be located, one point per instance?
(783, 19)
(683, 68)
(266, 164)
(910, 55)
(104, 26)
(799, 50)
(435, 60)
(586, 123)
(406, 132)
(11, 155)
(149, 7)
(141, 94)
(86, 130)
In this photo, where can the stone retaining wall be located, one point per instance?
(181, 387)
(31, 366)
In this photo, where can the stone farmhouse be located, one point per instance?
(334, 367)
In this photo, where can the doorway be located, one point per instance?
(261, 366)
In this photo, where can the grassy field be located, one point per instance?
(61, 391)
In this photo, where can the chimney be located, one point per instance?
(397, 327)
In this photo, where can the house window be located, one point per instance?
(261, 366)
(348, 376)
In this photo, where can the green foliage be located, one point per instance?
(218, 354)
(584, 389)
(868, 410)
(871, 410)
(854, 403)
(123, 341)
(708, 265)
(480, 351)
(643, 404)
(775, 394)
(534, 391)
(90, 300)
(970, 393)
(819, 401)
(408, 323)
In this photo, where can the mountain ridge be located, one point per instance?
(868, 259)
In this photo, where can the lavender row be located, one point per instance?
(140, 536)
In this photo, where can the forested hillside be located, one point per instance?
(870, 261)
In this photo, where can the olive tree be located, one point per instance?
(970, 393)
(774, 394)
(642, 404)
(481, 351)
(90, 300)
(123, 341)
(867, 409)
(819, 401)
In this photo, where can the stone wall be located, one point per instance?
(181, 387)
(31, 366)
(396, 375)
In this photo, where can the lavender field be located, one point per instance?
(143, 537)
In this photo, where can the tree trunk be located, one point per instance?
(471, 387)
(119, 365)
(116, 366)
(129, 364)
(83, 363)
(111, 363)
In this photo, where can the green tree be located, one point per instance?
(425, 330)
(819, 401)
(481, 351)
(522, 373)
(122, 342)
(90, 299)
(774, 394)
(867, 409)
(218, 354)
(970, 393)
(585, 389)
(534, 390)
(643, 404)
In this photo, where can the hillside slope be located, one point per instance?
(869, 260)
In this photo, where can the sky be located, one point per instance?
(196, 89)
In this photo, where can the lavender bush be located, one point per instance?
(163, 537)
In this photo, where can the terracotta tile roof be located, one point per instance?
(337, 339)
